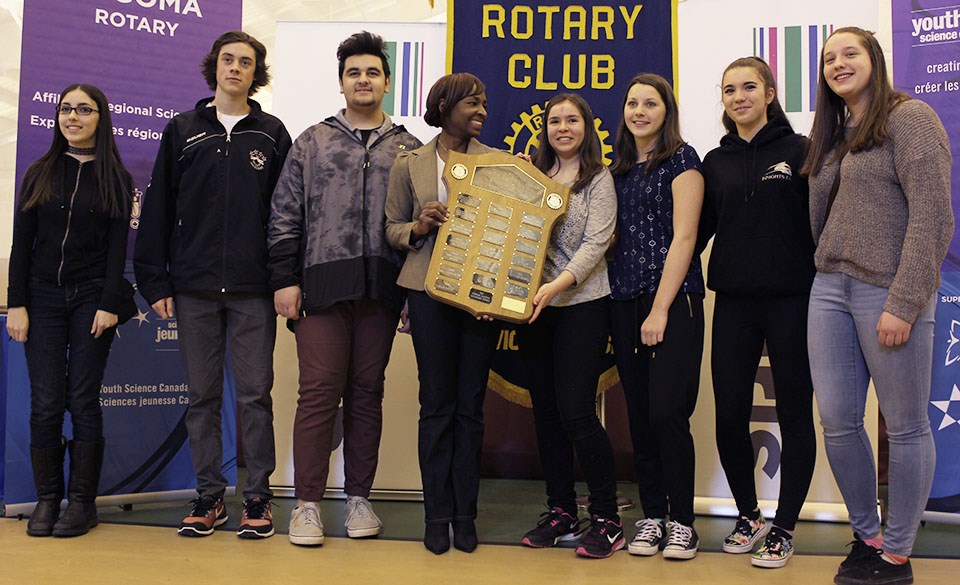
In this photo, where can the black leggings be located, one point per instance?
(740, 326)
(660, 384)
(562, 350)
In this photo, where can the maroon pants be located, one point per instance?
(343, 352)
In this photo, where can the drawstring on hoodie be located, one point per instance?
(750, 173)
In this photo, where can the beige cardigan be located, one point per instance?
(413, 184)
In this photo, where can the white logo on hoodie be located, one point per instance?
(781, 171)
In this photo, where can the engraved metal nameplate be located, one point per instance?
(488, 259)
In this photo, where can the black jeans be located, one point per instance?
(454, 351)
(562, 351)
(740, 326)
(65, 362)
(660, 384)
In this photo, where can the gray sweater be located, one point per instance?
(891, 222)
(580, 240)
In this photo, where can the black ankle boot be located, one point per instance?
(436, 538)
(48, 478)
(86, 459)
(465, 535)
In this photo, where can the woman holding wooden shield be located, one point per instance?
(453, 349)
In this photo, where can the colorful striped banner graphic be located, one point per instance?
(406, 80)
(793, 53)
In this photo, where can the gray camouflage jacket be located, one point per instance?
(326, 230)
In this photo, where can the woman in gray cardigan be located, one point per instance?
(566, 339)
(453, 349)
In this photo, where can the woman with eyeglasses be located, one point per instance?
(66, 287)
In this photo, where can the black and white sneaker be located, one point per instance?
(682, 542)
(554, 526)
(650, 534)
(604, 538)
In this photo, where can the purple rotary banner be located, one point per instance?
(926, 65)
(145, 56)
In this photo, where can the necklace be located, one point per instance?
(440, 145)
(82, 151)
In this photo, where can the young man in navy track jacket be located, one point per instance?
(202, 248)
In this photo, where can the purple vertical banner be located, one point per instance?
(145, 56)
(926, 65)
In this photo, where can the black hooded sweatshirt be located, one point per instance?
(757, 205)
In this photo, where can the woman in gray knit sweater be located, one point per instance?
(879, 169)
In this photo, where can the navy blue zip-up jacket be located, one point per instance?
(205, 212)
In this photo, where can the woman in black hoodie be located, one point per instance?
(761, 268)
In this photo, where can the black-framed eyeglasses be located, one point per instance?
(81, 110)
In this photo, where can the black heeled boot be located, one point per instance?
(465, 535)
(86, 460)
(436, 537)
(48, 479)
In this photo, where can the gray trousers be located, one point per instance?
(207, 322)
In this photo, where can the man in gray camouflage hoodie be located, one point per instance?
(334, 277)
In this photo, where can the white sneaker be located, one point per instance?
(360, 520)
(306, 528)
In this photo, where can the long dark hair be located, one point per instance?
(774, 109)
(114, 180)
(591, 160)
(831, 113)
(669, 141)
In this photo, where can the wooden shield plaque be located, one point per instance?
(488, 258)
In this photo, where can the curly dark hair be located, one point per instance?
(208, 66)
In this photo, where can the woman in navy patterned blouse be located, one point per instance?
(657, 311)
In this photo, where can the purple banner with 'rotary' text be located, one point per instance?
(145, 55)
(926, 65)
